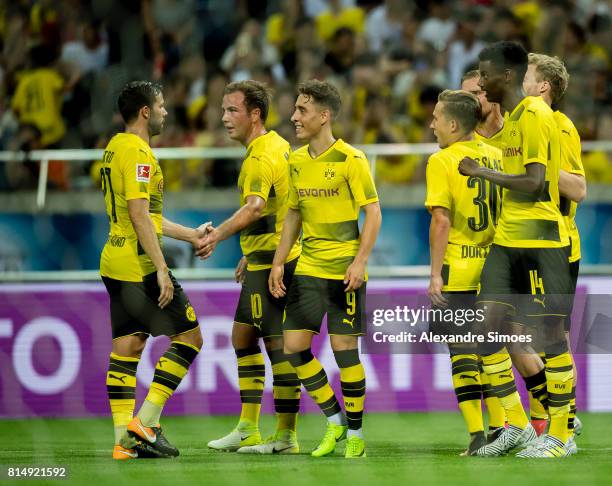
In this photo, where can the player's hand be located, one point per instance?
(435, 291)
(468, 167)
(166, 289)
(275, 281)
(241, 270)
(199, 234)
(207, 243)
(354, 276)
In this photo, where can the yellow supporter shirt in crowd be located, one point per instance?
(530, 135)
(329, 191)
(571, 161)
(38, 102)
(129, 171)
(265, 173)
(474, 205)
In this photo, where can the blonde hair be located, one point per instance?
(552, 70)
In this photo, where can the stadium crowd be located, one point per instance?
(389, 58)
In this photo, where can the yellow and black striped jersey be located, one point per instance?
(38, 101)
(328, 191)
(530, 135)
(571, 161)
(473, 204)
(129, 171)
(265, 173)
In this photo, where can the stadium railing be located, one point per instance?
(181, 153)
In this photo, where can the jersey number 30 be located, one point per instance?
(486, 203)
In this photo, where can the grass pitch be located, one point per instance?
(401, 448)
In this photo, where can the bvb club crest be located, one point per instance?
(329, 173)
(190, 313)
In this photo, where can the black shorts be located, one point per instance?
(134, 309)
(533, 282)
(258, 307)
(574, 268)
(458, 317)
(310, 298)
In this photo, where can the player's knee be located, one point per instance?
(243, 336)
(193, 338)
(273, 343)
(343, 343)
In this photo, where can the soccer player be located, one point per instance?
(463, 211)
(489, 128)
(547, 77)
(527, 362)
(145, 299)
(263, 184)
(528, 255)
(330, 182)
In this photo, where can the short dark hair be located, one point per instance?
(323, 93)
(256, 95)
(461, 106)
(134, 96)
(507, 55)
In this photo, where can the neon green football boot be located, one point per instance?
(333, 435)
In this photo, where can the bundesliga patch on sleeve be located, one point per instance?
(143, 173)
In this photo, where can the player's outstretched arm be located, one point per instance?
(572, 186)
(183, 233)
(355, 273)
(247, 214)
(531, 182)
(290, 233)
(138, 210)
(439, 229)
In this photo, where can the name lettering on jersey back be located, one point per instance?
(116, 241)
(319, 192)
(468, 251)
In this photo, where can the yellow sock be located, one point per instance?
(169, 371)
(538, 395)
(499, 368)
(313, 377)
(287, 391)
(251, 380)
(468, 389)
(353, 385)
(497, 414)
(559, 381)
(121, 389)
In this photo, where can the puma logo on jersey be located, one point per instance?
(349, 322)
(119, 378)
(540, 301)
(531, 111)
(465, 377)
(565, 131)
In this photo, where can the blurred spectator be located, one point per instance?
(341, 54)
(438, 28)
(463, 49)
(384, 24)
(338, 16)
(90, 52)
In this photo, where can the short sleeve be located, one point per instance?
(137, 170)
(258, 178)
(293, 200)
(536, 137)
(360, 180)
(438, 185)
(571, 158)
